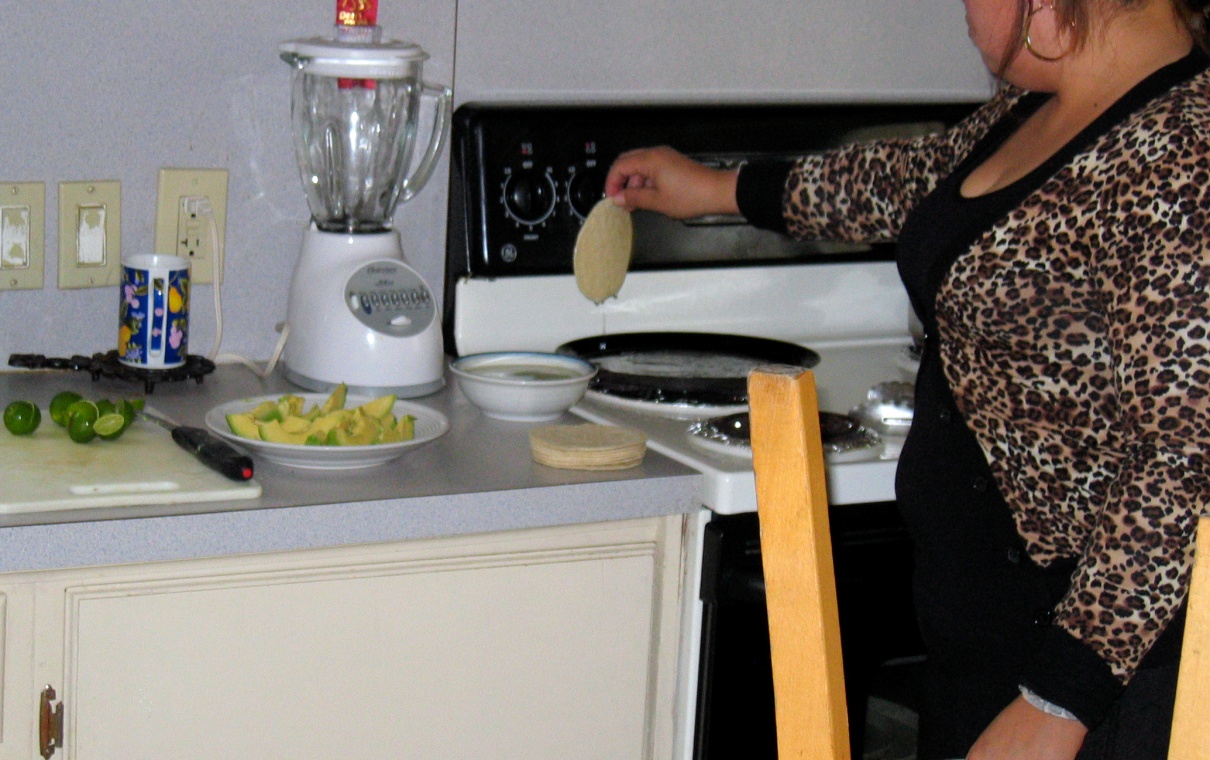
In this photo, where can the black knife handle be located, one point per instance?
(214, 452)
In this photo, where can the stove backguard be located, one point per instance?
(523, 178)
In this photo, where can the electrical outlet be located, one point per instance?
(187, 202)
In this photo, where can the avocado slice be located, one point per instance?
(273, 432)
(244, 425)
(336, 400)
(379, 407)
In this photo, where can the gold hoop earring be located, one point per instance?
(1029, 43)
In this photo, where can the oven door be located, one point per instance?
(873, 559)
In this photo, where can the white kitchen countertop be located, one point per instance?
(478, 477)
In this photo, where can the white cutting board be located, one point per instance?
(46, 471)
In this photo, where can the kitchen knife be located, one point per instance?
(210, 450)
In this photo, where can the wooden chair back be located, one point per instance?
(1191, 718)
(800, 583)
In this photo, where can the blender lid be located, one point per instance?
(326, 57)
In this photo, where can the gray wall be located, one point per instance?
(117, 89)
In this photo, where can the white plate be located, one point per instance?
(430, 425)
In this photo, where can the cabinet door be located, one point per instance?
(18, 694)
(637, 50)
(543, 646)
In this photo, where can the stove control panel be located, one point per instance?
(530, 183)
(524, 177)
(545, 190)
(391, 298)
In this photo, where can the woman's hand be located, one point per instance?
(1023, 732)
(665, 181)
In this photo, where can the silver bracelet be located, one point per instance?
(1047, 707)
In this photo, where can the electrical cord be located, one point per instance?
(199, 206)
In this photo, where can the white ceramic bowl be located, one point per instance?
(523, 386)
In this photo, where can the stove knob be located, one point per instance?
(529, 197)
(584, 190)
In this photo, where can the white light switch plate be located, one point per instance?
(90, 234)
(22, 230)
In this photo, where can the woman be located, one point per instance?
(1054, 246)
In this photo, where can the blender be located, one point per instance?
(358, 313)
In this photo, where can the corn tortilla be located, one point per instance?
(588, 446)
(602, 252)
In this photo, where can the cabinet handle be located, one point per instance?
(50, 723)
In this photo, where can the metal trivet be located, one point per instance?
(107, 365)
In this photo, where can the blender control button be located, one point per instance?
(401, 321)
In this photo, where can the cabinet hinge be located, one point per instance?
(50, 723)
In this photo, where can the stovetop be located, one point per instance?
(522, 179)
(845, 374)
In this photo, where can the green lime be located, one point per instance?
(83, 408)
(59, 404)
(126, 409)
(105, 406)
(22, 417)
(109, 426)
(81, 428)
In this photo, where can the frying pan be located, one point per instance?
(682, 367)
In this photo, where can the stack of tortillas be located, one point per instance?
(603, 249)
(587, 447)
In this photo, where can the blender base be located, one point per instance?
(359, 315)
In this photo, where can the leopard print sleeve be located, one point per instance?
(1090, 392)
(864, 192)
(1153, 274)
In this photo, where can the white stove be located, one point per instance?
(523, 179)
(855, 316)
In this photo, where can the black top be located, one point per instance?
(984, 605)
(971, 563)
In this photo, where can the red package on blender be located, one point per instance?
(357, 21)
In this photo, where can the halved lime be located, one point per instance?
(126, 409)
(22, 417)
(109, 426)
(105, 406)
(59, 404)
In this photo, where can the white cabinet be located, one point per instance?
(773, 50)
(551, 643)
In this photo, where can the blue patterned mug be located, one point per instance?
(153, 315)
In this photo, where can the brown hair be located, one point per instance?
(1078, 15)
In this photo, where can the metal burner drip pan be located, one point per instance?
(844, 438)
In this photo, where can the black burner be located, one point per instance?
(107, 365)
(840, 432)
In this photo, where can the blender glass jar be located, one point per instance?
(355, 108)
